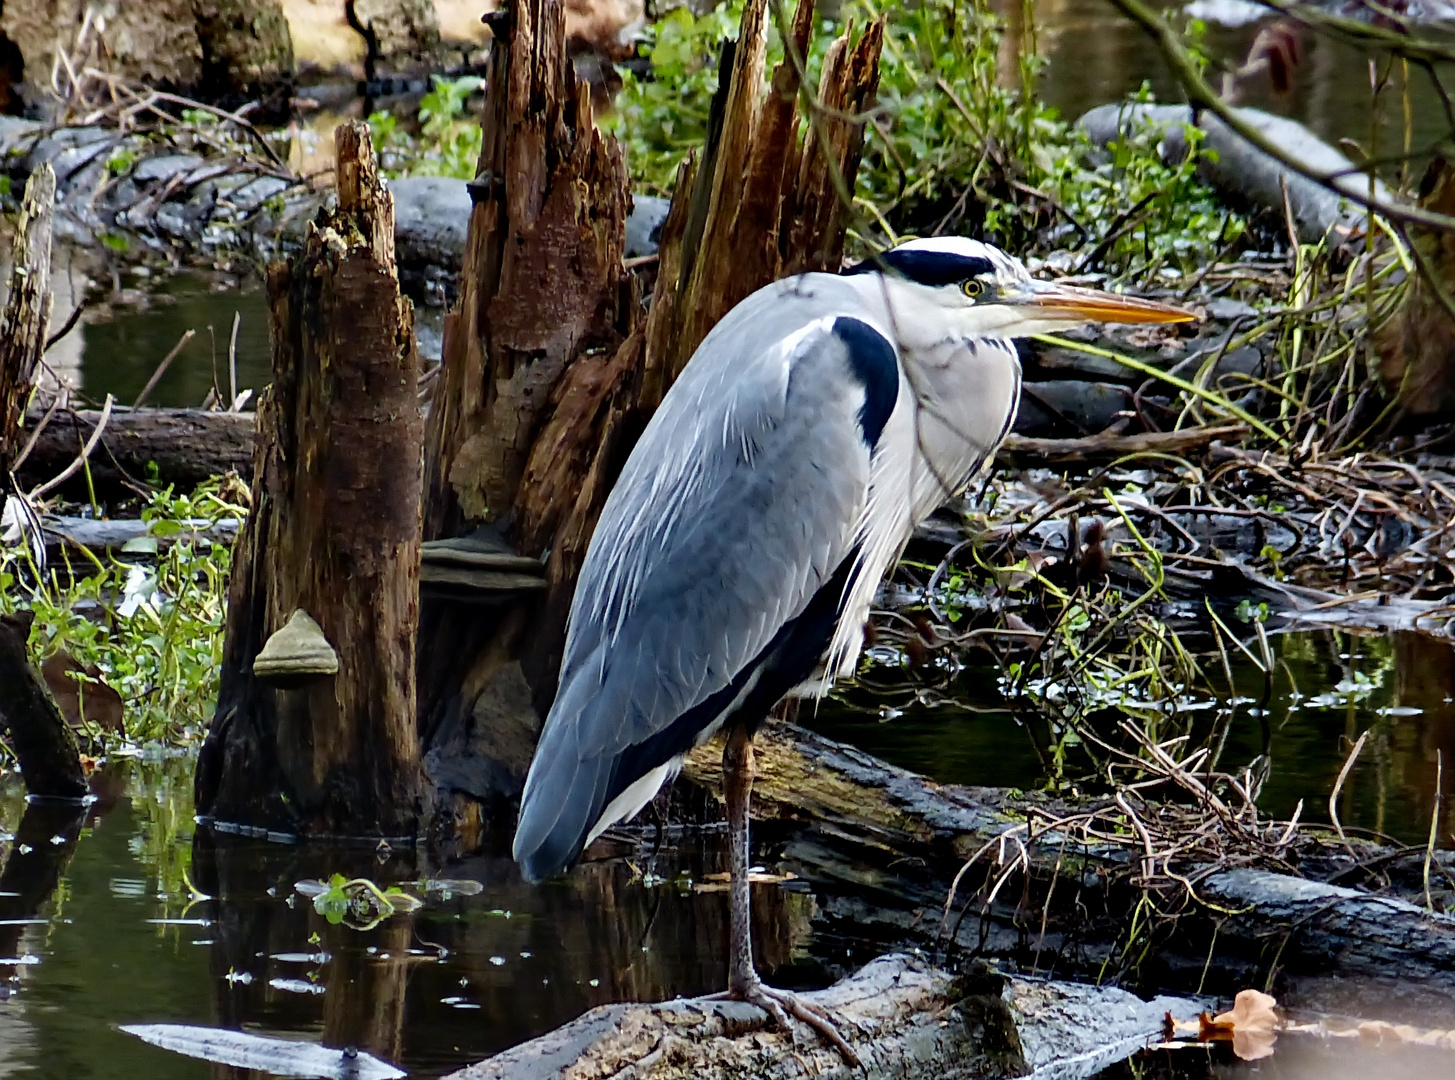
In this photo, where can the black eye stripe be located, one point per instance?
(926, 267)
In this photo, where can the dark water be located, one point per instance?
(1328, 687)
(110, 932)
(122, 348)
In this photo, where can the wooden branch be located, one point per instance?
(904, 1019)
(1104, 445)
(50, 761)
(333, 533)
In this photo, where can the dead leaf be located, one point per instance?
(81, 695)
(1252, 1022)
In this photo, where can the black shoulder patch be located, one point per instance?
(873, 361)
(925, 267)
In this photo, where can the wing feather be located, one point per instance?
(744, 495)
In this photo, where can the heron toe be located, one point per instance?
(781, 1004)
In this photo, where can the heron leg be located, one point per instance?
(743, 981)
(737, 787)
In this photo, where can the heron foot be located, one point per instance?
(781, 1004)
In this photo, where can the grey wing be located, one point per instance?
(739, 503)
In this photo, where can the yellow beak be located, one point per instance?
(1085, 305)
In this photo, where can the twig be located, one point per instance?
(1434, 827)
(68, 325)
(162, 368)
(35, 433)
(81, 458)
(1338, 786)
(232, 402)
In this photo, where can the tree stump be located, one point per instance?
(334, 533)
(544, 290)
(27, 313)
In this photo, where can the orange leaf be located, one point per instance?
(1252, 1022)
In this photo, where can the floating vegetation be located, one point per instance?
(357, 903)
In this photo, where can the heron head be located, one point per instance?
(984, 292)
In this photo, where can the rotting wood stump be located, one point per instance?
(334, 533)
(550, 370)
(27, 313)
(544, 289)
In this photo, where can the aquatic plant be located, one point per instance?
(150, 617)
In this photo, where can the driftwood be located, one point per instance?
(181, 447)
(26, 314)
(905, 1020)
(882, 844)
(332, 537)
(50, 762)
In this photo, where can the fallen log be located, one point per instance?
(184, 447)
(1108, 445)
(882, 844)
(907, 1020)
(141, 447)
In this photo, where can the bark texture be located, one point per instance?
(50, 762)
(904, 1019)
(26, 314)
(334, 531)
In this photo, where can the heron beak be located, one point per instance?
(1092, 305)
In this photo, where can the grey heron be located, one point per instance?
(736, 557)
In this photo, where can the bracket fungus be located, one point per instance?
(296, 654)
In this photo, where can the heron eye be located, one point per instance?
(972, 288)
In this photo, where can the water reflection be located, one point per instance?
(113, 931)
(1095, 56)
(124, 916)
